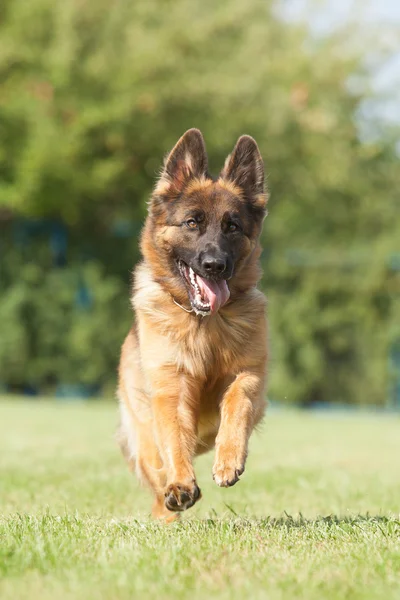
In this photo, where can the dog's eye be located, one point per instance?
(191, 223)
(232, 226)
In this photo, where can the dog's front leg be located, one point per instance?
(241, 408)
(175, 409)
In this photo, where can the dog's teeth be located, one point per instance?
(203, 304)
(192, 276)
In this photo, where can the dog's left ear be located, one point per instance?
(187, 159)
(245, 168)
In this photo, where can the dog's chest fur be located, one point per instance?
(207, 348)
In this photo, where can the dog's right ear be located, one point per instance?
(188, 159)
(245, 168)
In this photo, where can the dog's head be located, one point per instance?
(201, 231)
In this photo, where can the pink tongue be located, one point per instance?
(216, 292)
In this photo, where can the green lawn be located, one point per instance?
(315, 516)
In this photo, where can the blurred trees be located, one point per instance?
(92, 95)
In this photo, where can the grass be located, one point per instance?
(316, 515)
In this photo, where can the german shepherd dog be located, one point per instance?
(192, 372)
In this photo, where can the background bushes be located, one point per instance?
(92, 95)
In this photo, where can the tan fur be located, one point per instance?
(187, 383)
(196, 185)
(162, 187)
(230, 186)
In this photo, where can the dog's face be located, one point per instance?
(204, 229)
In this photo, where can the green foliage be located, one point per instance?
(51, 335)
(92, 95)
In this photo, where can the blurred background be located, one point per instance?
(93, 93)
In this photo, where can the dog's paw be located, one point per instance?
(179, 497)
(227, 469)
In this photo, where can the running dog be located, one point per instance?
(193, 368)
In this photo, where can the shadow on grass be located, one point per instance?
(387, 525)
(300, 522)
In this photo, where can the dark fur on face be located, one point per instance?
(202, 232)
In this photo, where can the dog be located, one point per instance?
(193, 368)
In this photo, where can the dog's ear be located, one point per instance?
(186, 160)
(245, 168)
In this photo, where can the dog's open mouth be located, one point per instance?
(206, 296)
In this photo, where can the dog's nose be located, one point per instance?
(213, 265)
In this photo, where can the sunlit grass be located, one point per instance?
(315, 516)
